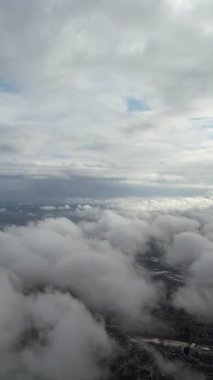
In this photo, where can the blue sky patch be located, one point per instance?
(7, 86)
(135, 105)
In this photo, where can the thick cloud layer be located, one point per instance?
(128, 235)
(166, 227)
(56, 253)
(48, 335)
(185, 240)
(57, 277)
(52, 272)
(194, 253)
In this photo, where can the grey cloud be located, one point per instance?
(76, 62)
(56, 253)
(165, 227)
(187, 247)
(186, 241)
(8, 148)
(75, 342)
(196, 295)
(70, 341)
(54, 271)
(192, 253)
(37, 188)
(128, 235)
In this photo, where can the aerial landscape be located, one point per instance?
(106, 190)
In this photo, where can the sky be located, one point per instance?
(106, 98)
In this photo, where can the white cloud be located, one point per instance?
(67, 71)
(190, 250)
(57, 276)
(48, 208)
(69, 342)
(90, 264)
(75, 342)
(167, 226)
(128, 235)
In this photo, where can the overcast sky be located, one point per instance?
(108, 94)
